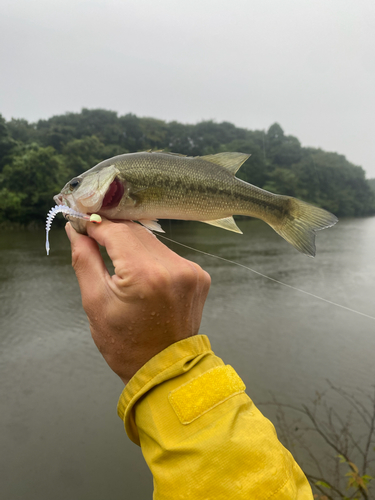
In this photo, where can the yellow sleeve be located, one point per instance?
(201, 435)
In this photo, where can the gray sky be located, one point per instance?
(307, 64)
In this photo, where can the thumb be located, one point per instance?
(87, 263)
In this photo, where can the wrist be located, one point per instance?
(127, 367)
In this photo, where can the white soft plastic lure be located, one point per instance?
(67, 211)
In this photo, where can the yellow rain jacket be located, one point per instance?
(201, 435)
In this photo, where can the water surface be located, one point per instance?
(61, 437)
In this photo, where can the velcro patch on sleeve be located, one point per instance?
(200, 395)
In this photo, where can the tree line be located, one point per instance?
(37, 159)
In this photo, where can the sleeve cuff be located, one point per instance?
(173, 361)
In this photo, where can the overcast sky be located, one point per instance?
(307, 64)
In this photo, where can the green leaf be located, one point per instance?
(324, 484)
(342, 459)
(366, 478)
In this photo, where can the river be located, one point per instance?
(61, 437)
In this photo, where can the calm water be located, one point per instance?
(61, 437)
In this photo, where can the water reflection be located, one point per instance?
(63, 437)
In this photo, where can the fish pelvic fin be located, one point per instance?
(300, 222)
(152, 225)
(226, 223)
(230, 161)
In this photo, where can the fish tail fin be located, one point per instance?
(300, 222)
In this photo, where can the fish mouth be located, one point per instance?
(113, 195)
(59, 199)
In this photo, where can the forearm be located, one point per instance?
(201, 435)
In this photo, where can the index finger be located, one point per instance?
(122, 244)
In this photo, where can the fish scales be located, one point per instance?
(191, 185)
(150, 185)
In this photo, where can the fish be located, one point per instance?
(152, 185)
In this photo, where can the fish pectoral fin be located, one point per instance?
(137, 190)
(226, 223)
(230, 161)
(152, 225)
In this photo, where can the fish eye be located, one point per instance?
(74, 183)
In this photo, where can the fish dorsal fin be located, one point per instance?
(230, 161)
(164, 152)
(174, 154)
(226, 223)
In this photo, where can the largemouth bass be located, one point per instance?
(156, 185)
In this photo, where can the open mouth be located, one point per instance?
(114, 194)
(59, 199)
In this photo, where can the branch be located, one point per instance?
(364, 414)
(369, 439)
(314, 479)
(332, 444)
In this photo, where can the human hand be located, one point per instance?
(155, 297)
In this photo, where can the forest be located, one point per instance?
(37, 159)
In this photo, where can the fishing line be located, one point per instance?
(269, 278)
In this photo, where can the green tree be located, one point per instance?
(154, 133)
(7, 144)
(255, 170)
(277, 162)
(339, 186)
(59, 130)
(81, 154)
(22, 131)
(283, 181)
(132, 134)
(282, 150)
(29, 183)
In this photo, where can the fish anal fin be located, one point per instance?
(226, 223)
(230, 161)
(152, 225)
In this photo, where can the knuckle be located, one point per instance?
(188, 274)
(206, 278)
(156, 279)
(161, 277)
(202, 277)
